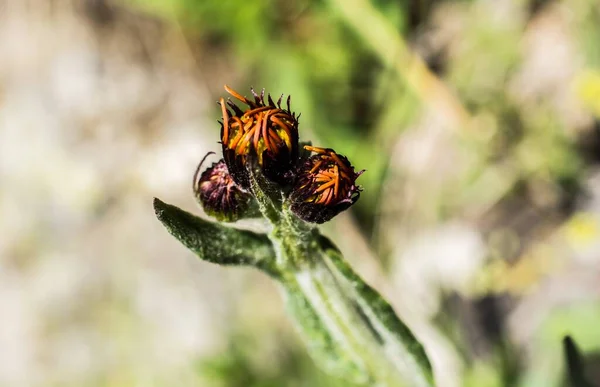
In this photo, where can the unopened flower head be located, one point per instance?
(325, 185)
(218, 194)
(265, 130)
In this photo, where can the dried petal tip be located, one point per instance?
(324, 187)
(217, 193)
(264, 129)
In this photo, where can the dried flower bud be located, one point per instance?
(324, 187)
(218, 194)
(266, 129)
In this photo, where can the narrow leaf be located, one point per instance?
(574, 362)
(320, 343)
(401, 345)
(217, 243)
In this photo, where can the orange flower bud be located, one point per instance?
(325, 186)
(265, 130)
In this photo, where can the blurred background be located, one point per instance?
(478, 122)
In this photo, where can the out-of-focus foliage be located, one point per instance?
(239, 367)
(588, 85)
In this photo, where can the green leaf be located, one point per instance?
(574, 362)
(402, 347)
(217, 243)
(321, 345)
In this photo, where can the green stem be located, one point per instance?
(371, 344)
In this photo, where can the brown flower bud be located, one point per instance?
(324, 186)
(265, 130)
(218, 194)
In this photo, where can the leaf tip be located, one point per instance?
(159, 208)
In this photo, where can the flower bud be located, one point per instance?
(218, 194)
(324, 186)
(265, 130)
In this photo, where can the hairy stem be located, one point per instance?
(372, 346)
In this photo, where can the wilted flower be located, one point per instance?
(325, 186)
(218, 194)
(266, 130)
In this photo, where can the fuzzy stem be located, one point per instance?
(350, 329)
(373, 345)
